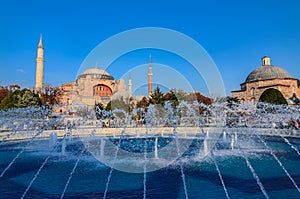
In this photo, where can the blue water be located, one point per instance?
(202, 179)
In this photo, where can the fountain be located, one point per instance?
(205, 147)
(63, 146)
(102, 145)
(156, 148)
(175, 154)
(224, 135)
(52, 140)
(232, 143)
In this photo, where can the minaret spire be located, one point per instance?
(41, 42)
(39, 78)
(150, 76)
(129, 84)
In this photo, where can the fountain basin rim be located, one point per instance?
(160, 132)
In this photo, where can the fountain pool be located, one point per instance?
(255, 155)
(256, 166)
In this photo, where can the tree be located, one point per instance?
(272, 96)
(99, 106)
(196, 96)
(98, 110)
(5, 90)
(10, 101)
(157, 97)
(51, 95)
(117, 104)
(143, 103)
(172, 98)
(28, 98)
(108, 106)
(132, 103)
(20, 99)
(232, 100)
(180, 94)
(13, 87)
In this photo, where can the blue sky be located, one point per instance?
(235, 33)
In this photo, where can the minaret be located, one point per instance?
(130, 85)
(39, 78)
(150, 77)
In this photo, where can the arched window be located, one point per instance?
(242, 101)
(102, 90)
(252, 91)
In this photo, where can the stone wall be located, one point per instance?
(253, 90)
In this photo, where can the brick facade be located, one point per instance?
(265, 77)
(251, 92)
(92, 87)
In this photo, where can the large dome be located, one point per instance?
(267, 71)
(95, 71)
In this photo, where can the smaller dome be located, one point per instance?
(69, 84)
(267, 72)
(95, 71)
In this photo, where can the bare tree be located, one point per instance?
(51, 95)
(5, 90)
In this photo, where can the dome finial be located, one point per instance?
(266, 61)
(96, 65)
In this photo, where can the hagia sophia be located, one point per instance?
(95, 85)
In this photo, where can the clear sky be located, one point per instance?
(235, 33)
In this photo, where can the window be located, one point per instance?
(252, 91)
(102, 90)
(243, 101)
